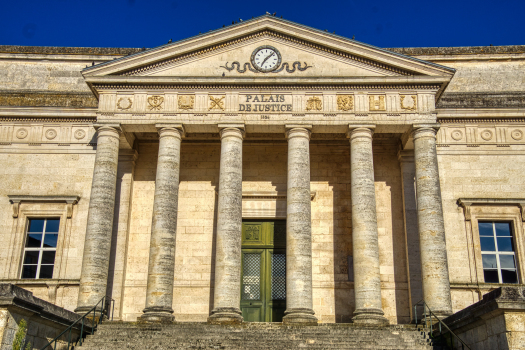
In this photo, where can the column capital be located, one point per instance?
(232, 131)
(298, 131)
(115, 127)
(424, 130)
(176, 130)
(355, 131)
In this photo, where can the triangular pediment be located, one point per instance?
(304, 53)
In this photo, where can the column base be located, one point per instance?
(300, 316)
(370, 316)
(157, 314)
(226, 315)
(81, 310)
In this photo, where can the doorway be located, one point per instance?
(263, 282)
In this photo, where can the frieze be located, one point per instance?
(361, 103)
(479, 135)
(44, 133)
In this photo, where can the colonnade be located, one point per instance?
(367, 279)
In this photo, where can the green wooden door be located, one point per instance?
(263, 283)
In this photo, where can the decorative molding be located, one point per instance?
(283, 87)
(345, 103)
(217, 103)
(262, 34)
(314, 103)
(186, 102)
(155, 103)
(466, 203)
(125, 107)
(16, 200)
(377, 103)
(408, 102)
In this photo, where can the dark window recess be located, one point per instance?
(497, 252)
(40, 248)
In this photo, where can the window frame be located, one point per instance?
(40, 249)
(495, 210)
(497, 252)
(34, 209)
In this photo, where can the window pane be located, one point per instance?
(502, 229)
(489, 261)
(48, 257)
(52, 225)
(46, 271)
(487, 244)
(36, 225)
(505, 244)
(50, 240)
(509, 276)
(507, 262)
(491, 276)
(34, 240)
(485, 229)
(29, 271)
(31, 257)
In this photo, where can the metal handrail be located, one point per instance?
(105, 303)
(425, 307)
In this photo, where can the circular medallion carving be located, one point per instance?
(456, 135)
(51, 134)
(516, 134)
(486, 135)
(80, 134)
(22, 133)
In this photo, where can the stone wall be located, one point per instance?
(496, 322)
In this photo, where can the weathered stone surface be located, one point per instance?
(433, 250)
(227, 294)
(299, 302)
(159, 294)
(367, 282)
(496, 322)
(113, 336)
(97, 246)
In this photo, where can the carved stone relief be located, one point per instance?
(377, 103)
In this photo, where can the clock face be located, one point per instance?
(266, 58)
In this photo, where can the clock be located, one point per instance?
(266, 58)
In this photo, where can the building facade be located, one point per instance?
(261, 171)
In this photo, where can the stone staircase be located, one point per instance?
(128, 335)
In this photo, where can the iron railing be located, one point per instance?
(429, 322)
(87, 324)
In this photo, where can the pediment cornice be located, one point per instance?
(276, 28)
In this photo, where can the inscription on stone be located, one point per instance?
(265, 103)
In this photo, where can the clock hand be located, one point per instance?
(270, 55)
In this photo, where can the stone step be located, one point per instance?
(275, 336)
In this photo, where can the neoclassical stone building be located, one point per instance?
(262, 170)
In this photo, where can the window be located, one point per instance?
(40, 248)
(498, 253)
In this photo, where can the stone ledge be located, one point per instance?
(498, 301)
(58, 50)
(15, 297)
(462, 50)
(511, 99)
(47, 99)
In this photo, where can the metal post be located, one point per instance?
(81, 331)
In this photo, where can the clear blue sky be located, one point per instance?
(141, 23)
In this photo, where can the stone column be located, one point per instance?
(121, 221)
(227, 290)
(367, 277)
(299, 303)
(97, 245)
(161, 269)
(433, 250)
(408, 175)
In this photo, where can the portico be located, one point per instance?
(327, 94)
